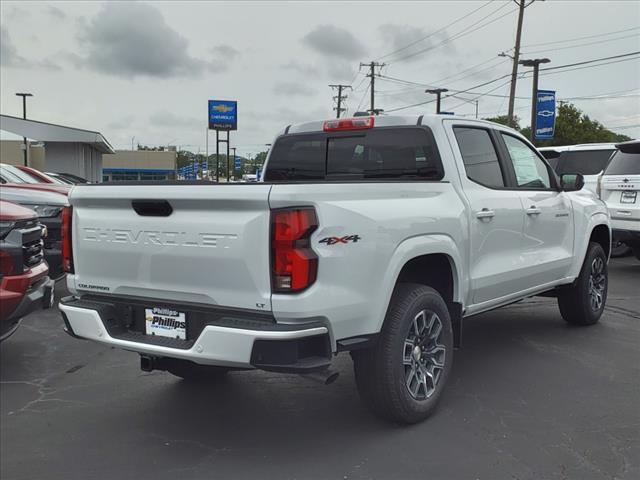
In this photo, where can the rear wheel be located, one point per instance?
(583, 302)
(402, 377)
(194, 372)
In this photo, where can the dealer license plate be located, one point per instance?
(628, 197)
(165, 322)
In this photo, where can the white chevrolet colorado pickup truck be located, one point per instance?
(373, 235)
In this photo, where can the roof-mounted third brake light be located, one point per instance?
(343, 124)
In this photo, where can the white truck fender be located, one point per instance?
(412, 248)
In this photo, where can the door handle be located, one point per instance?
(533, 210)
(485, 213)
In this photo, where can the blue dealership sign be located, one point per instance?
(238, 163)
(545, 114)
(223, 115)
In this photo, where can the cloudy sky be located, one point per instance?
(147, 69)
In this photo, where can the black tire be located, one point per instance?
(382, 371)
(577, 305)
(193, 372)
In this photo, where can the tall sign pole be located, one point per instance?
(535, 63)
(223, 115)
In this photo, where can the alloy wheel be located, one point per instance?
(424, 355)
(597, 284)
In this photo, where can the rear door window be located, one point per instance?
(624, 164)
(479, 156)
(586, 162)
(384, 153)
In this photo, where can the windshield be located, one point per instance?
(408, 153)
(624, 164)
(586, 162)
(32, 176)
(15, 175)
(9, 176)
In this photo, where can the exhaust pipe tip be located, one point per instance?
(147, 363)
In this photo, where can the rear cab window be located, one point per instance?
(386, 153)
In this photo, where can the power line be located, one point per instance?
(362, 99)
(463, 33)
(585, 62)
(456, 92)
(598, 42)
(492, 59)
(581, 65)
(437, 31)
(590, 61)
(580, 38)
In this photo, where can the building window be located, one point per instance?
(152, 176)
(123, 176)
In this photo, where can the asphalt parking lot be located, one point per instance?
(530, 398)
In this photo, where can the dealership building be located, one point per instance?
(139, 165)
(54, 148)
(86, 153)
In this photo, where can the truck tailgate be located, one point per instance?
(212, 248)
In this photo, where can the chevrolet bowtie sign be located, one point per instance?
(223, 115)
(545, 114)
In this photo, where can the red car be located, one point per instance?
(37, 175)
(24, 282)
(12, 177)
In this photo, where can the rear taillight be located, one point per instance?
(67, 252)
(599, 187)
(341, 124)
(294, 264)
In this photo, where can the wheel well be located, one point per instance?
(433, 270)
(601, 235)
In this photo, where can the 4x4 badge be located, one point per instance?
(345, 239)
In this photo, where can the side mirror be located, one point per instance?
(571, 182)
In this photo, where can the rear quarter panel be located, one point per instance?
(396, 221)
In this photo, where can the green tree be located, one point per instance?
(259, 159)
(502, 120)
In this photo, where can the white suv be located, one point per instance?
(618, 188)
(588, 159)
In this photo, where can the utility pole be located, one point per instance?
(522, 4)
(24, 116)
(372, 75)
(535, 63)
(437, 92)
(340, 98)
(476, 108)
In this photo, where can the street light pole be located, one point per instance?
(438, 92)
(535, 63)
(24, 116)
